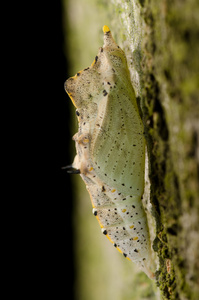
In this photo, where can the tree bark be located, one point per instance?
(171, 117)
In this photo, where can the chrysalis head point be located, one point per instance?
(106, 29)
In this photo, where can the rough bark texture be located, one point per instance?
(171, 98)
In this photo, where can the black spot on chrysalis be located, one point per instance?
(105, 93)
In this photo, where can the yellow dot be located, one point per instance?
(86, 140)
(123, 210)
(135, 238)
(113, 190)
(106, 29)
(131, 226)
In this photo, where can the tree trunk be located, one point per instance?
(171, 116)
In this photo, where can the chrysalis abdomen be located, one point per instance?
(110, 148)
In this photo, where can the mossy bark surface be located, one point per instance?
(171, 115)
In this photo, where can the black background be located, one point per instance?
(40, 254)
(57, 235)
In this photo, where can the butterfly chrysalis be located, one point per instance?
(110, 149)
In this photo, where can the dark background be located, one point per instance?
(41, 256)
(57, 235)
